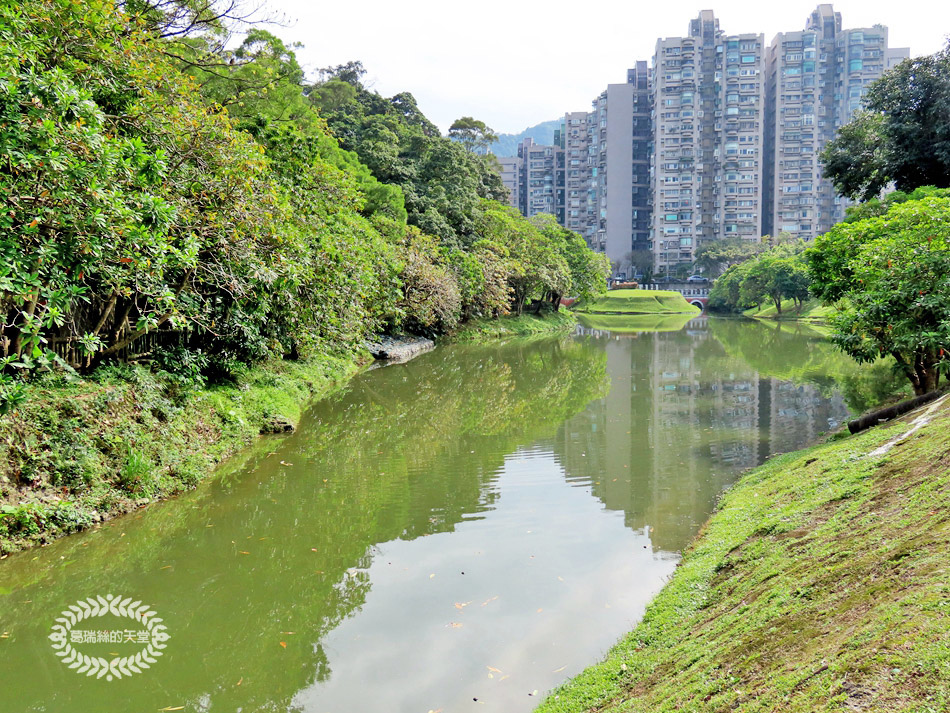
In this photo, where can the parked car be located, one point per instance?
(697, 278)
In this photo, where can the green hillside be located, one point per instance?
(638, 302)
(543, 133)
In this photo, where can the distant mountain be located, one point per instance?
(543, 133)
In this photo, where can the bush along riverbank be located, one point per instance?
(77, 453)
(821, 583)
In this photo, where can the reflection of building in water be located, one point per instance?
(683, 418)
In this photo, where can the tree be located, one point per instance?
(717, 256)
(890, 276)
(903, 136)
(778, 273)
(587, 270)
(476, 136)
(777, 277)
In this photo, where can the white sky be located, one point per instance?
(514, 64)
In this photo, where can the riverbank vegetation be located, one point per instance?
(167, 195)
(775, 275)
(525, 325)
(180, 211)
(76, 453)
(821, 583)
(889, 276)
(811, 311)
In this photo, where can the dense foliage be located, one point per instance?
(890, 275)
(441, 177)
(779, 273)
(166, 195)
(902, 136)
(715, 257)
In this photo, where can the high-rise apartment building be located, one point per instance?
(579, 206)
(720, 138)
(618, 145)
(708, 118)
(511, 178)
(641, 125)
(816, 79)
(541, 179)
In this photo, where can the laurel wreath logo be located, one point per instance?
(99, 667)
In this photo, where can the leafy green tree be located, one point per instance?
(726, 294)
(777, 277)
(475, 135)
(903, 136)
(779, 273)
(890, 276)
(587, 270)
(443, 183)
(716, 256)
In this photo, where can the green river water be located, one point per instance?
(459, 533)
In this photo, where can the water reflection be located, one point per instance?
(428, 536)
(689, 410)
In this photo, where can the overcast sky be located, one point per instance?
(514, 64)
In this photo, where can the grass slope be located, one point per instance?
(76, 454)
(638, 302)
(811, 311)
(821, 584)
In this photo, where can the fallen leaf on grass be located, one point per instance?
(243, 552)
(172, 708)
(283, 644)
(240, 682)
(283, 462)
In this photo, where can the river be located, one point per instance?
(460, 532)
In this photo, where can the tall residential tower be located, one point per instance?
(709, 111)
(816, 79)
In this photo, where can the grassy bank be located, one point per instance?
(525, 325)
(638, 302)
(77, 453)
(822, 583)
(810, 311)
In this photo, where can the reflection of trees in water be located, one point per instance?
(403, 452)
(793, 352)
(687, 412)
